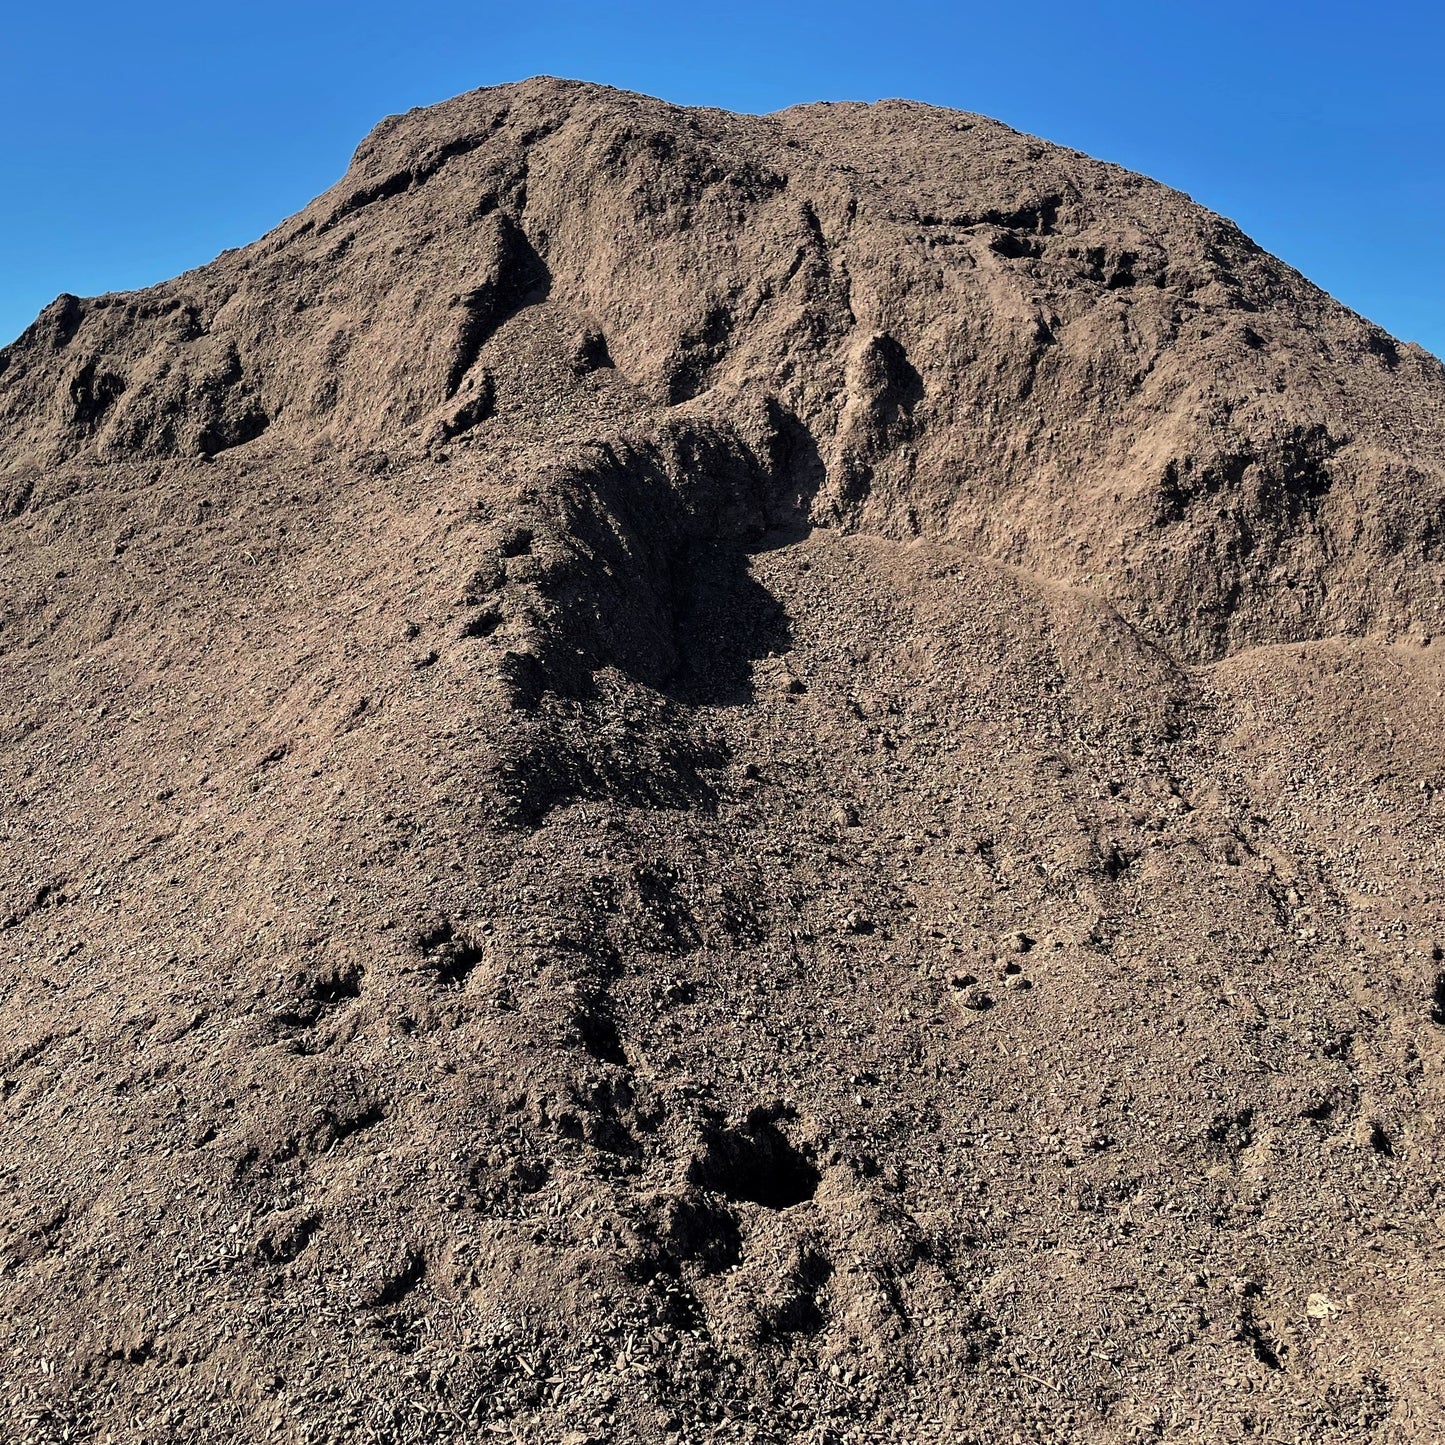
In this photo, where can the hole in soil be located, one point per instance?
(1437, 1000)
(338, 985)
(528, 1176)
(590, 353)
(755, 1163)
(1116, 862)
(450, 956)
(347, 1125)
(484, 623)
(599, 1035)
(802, 1314)
(286, 1238)
(315, 992)
(497, 1181)
(700, 1229)
(401, 1284)
(1264, 1351)
(1013, 247)
(1233, 1131)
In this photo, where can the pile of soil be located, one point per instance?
(669, 777)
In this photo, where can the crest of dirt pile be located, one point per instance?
(677, 776)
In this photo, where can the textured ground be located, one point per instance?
(669, 776)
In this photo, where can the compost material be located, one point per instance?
(675, 777)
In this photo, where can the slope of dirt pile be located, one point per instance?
(669, 776)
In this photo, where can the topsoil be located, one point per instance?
(669, 777)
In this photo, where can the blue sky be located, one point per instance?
(140, 139)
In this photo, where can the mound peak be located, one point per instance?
(963, 334)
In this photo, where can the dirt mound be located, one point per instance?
(674, 776)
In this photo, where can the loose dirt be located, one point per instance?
(668, 776)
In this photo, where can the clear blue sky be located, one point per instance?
(141, 137)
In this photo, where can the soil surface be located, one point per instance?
(672, 777)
